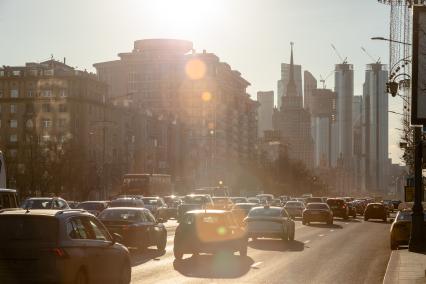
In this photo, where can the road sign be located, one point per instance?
(409, 193)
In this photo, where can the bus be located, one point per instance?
(2, 171)
(147, 184)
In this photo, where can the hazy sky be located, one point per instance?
(253, 36)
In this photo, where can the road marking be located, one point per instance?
(331, 230)
(305, 242)
(255, 265)
(321, 235)
(346, 223)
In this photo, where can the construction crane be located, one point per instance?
(344, 60)
(369, 55)
(322, 80)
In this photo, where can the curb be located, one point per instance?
(391, 275)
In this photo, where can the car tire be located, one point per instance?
(243, 251)
(303, 222)
(291, 236)
(177, 253)
(346, 217)
(330, 222)
(125, 274)
(366, 218)
(81, 277)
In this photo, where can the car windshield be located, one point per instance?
(321, 206)
(120, 214)
(90, 206)
(28, 228)
(194, 199)
(37, 204)
(265, 212)
(295, 204)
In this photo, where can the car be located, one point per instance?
(157, 206)
(389, 205)
(270, 222)
(73, 204)
(54, 203)
(339, 207)
(138, 227)
(313, 200)
(127, 202)
(239, 200)
(60, 246)
(8, 198)
(209, 231)
(352, 209)
(295, 208)
(93, 207)
(396, 203)
(401, 228)
(192, 202)
(172, 202)
(317, 212)
(222, 203)
(241, 210)
(253, 200)
(276, 202)
(265, 197)
(359, 206)
(284, 198)
(376, 211)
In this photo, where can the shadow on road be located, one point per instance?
(377, 221)
(221, 265)
(276, 245)
(138, 257)
(319, 225)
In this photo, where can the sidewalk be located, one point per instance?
(406, 267)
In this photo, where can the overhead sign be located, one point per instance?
(418, 110)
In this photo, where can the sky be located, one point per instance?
(253, 36)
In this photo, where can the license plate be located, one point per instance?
(316, 213)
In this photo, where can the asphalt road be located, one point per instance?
(350, 251)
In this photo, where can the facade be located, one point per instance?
(51, 109)
(344, 88)
(285, 77)
(323, 112)
(294, 122)
(375, 131)
(167, 77)
(265, 112)
(309, 84)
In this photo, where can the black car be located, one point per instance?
(339, 207)
(93, 207)
(173, 203)
(137, 226)
(352, 209)
(193, 202)
(156, 205)
(396, 204)
(65, 246)
(209, 231)
(376, 211)
(317, 212)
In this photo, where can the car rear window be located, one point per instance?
(37, 204)
(194, 199)
(28, 228)
(126, 215)
(126, 203)
(317, 206)
(265, 212)
(293, 204)
(335, 202)
(90, 206)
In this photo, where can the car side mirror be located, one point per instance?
(160, 220)
(117, 238)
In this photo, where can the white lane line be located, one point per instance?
(346, 223)
(331, 230)
(307, 241)
(321, 235)
(255, 265)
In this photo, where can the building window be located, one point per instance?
(45, 107)
(1, 73)
(46, 93)
(30, 93)
(63, 93)
(45, 138)
(14, 93)
(13, 153)
(16, 73)
(62, 122)
(1, 93)
(13, 123)
(13, 138)
(47, 123)
(62, 108)
(0, 123)
(13, 108)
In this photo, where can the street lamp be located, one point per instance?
(390, 40)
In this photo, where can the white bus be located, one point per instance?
(2, 171)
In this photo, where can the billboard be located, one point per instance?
(418, 110)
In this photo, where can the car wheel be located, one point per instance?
(291, 236)
(177, 253)
(330, 222)
(125, 274)
(365, 218)
(346, 217)
(243, 251)
(161, 246)
(303, 222)
(81, 277)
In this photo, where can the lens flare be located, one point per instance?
(221, 231)
(206, 96)
(195, 69)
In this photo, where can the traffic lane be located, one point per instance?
(357, 253)
(155, 267)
